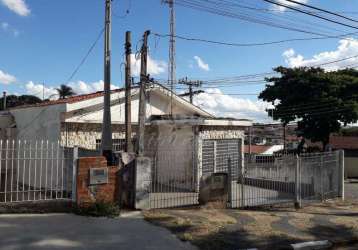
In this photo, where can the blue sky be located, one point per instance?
(43, 41)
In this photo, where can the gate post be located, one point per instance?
(242, 170)
(341, 174)
(74, 174)
(230, 198)
(298, 203)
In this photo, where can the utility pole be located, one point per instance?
(4, 100)
(128, 108)
(172, 64)
(43, 91)
(284, 136)
(142, 93)
(106, 143)
(250, 140)
(191, 84)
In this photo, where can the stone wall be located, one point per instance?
(221, 133)
(85, 135)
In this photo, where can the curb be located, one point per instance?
(310, 245)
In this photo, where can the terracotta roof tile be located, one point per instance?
(71, 99)
(257, 149)
(344, 142)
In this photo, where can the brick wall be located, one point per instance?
(86, 193)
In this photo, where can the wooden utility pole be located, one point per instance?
(106, 143)
(4, 100)
(191, 84)
(142, 100)
(128, 107)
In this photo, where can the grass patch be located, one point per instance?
(201, 227)
(216, 229)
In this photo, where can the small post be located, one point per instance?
(215, 160)
(74, 174)
(298, 203)
(230, 194)
(341, 175)
(242, 171)
(250, 140)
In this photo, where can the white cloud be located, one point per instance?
(221, 105)
(346, 48)
(155, 67)
(39, 90)
(282, 9)
(201, 63)
(82, 87)
(16, 33)
(79, 87)
(17, 6)
(4, 26)
(6, 78)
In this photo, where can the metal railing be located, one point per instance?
(174, 179)
(35, 170)
(286, 178)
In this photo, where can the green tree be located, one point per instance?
(319, 101)
(65, 91)
(14, 101)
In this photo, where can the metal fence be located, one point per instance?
(35, 170)
(174, 179)
(268, 180)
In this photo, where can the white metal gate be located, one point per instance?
(216, 154)
(35, 170)
(174, 179)
(268, 180)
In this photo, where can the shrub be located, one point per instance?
(98, 209)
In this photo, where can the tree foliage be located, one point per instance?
(14, 101)
(319, 101)
(65, 91)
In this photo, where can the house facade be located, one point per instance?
(174, 127)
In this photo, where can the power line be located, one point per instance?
(253, 44)
(86, 56)
(70, 78)
(310, 14)
(279, 16)
(322, 10)
(245, 17)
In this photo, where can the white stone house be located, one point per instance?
(190, 138)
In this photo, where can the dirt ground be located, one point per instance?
(266, 228)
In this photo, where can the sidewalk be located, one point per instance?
(67, 231)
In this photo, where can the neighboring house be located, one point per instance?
(350, 146)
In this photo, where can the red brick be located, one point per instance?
(105, 192)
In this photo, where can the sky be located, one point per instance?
(42, 42)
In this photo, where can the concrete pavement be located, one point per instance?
(68, 231)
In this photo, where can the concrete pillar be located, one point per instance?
(341, 174)
(143, 180)
(298, 203)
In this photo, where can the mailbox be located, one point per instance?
(98, 176)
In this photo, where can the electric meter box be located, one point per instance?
(98, 176)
